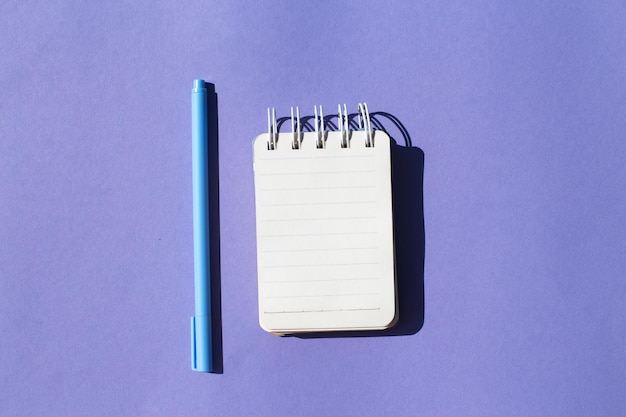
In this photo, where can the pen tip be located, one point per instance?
(198, 84)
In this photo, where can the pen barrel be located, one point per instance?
(199, 139)
(201, 339)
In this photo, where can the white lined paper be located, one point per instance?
(324, 234)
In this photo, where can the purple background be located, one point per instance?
(519, 107)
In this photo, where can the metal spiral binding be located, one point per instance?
(271, 129)
(319, 128)
(366, 124)
(297, 134)
(343, 126)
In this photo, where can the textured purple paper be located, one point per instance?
(520, 109)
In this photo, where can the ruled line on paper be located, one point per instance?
(312, 265)
(294, 281)
(287, 173)
(320, 249)
(322, 311)
(318, 218)
(317, 203)
(321, 234)
(342, 187)
(323, 295)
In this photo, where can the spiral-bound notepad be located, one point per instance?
(325, 249)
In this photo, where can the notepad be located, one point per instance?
(325, 249)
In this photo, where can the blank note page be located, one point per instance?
(324, 234)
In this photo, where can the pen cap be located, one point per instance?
(198, 85)
(201, 353)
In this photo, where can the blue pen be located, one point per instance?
(201, 340)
